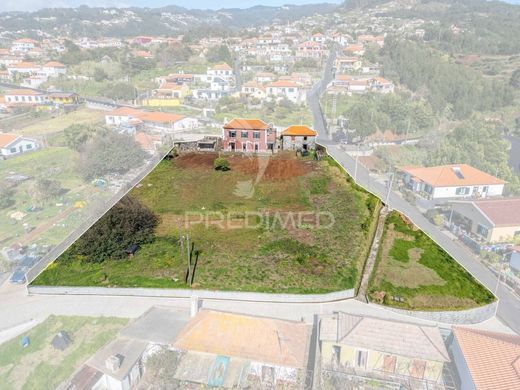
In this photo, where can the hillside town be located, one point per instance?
(383, 98)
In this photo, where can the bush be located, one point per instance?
(221, 164)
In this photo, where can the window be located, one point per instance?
(361, 359)
(305, 138)
(291, 90)
(336, 355)
(256, 134)
(482, 230)
(28, 146)
(417, 369)
(244, 147)
(12, 150)
(462, 190)
(485, 189)
(232, 134)
(256, 147)
(244, 134)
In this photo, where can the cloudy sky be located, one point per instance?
(31, 5)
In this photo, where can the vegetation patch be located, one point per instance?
(40, 365)
(413, 272)
(278, 224)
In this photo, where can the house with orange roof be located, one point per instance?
(25, 97)
(154, 121)
(311, 49)
(23, 67)
(355, 49)
(249, 135)
(486, 360)
(220, 70)
(298, 137)
(287, 89)
(168, 94)
(54, 68)
(15, 144)
(241, 351)
(382, 85)
(345, 64)
(454, 181)
(395, 354)
(23, 45)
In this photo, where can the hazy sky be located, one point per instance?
(31, 5)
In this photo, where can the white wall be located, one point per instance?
(26, 144)
(462, 368)
(451, 192)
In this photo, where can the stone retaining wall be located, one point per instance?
(459, 317)
(186, 293)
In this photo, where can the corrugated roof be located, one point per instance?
(299, 130)
(283, 343)
(492, 358)
(246, 124)
(393, 337)
(446, 175)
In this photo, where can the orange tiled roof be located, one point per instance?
(279, 342)
(162, 117)
(24, 64)
(54, 64)
(7, 138)
(493, 359)
(445, 176)
(222, 66)
(172, 86)
(283, 84)
(299, 130)
(250, 124)
(23, 92)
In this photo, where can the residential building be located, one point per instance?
(253, 89)
(54, 68)
(486, 360)
(14, 144)
(382, 85)
(154, 121)
(369, 349)
(120, 364)
(23, 45)
(249, 135)
(228, 350)
(286, 89)
(451, 182)
(222, 70)
(63, 98)
(25, 97)
(492, 220)
(298, 138)
(311, 49)
(23, 67)
(167, 95)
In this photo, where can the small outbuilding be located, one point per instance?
(300, 138)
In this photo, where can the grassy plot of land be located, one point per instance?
(413, 272)
(55, 163)
(60, 122)
(279, 224)
(40, 365)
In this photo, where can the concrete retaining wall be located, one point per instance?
(460, 317)
(185, 293)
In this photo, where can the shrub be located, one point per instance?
(221, 164)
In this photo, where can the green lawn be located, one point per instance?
(271, 254)
(412, 267)
(40, 366)
(56, 163)
(60, 122)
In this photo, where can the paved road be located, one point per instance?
(509, 305)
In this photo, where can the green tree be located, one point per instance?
(219, 53)
(6, 196)
(44, 190)
(108, 153)
(515, 79)
(129, 222)
(77, 135)
(99, 75)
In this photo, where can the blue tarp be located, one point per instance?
(218, 371)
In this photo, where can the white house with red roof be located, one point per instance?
(25, 97)
(220, 70)
(452, 182)
(494, 220)
(54, 68)
(298, 137)
(23, 45)
(23, 67)
(15, 144)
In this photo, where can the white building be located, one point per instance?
(452, 182)
(25, 96)
(14, 144)
(23, 45)
(286, 89)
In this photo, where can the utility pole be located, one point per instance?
(355, 167)
(389, 189)
(189, 258)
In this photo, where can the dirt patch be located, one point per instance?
(195, 160)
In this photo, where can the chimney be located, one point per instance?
(113, 363)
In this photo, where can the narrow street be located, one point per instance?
(509, 304)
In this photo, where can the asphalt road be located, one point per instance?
(509, 305)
